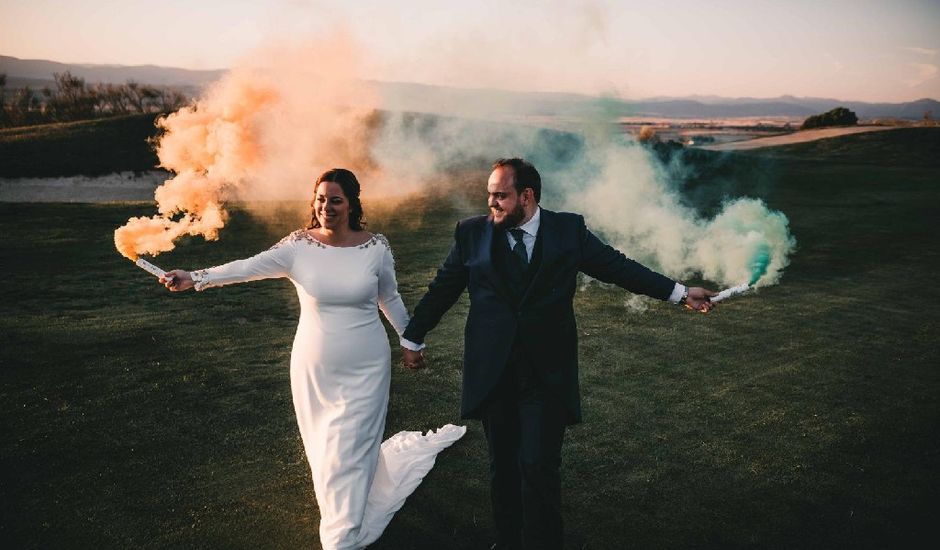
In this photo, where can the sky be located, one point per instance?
(866, 50)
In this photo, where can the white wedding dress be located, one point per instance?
(340, 372)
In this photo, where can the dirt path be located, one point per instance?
(124, 186)
(796, 137)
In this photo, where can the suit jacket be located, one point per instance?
(542, 322)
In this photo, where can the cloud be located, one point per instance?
(592, 25)
(921, 51)
(836, 64)
(925, 72)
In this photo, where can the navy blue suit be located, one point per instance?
(520, 372)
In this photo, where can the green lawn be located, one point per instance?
(89, 148)
(805, 416)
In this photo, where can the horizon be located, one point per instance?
(690, 97)
(870, 51)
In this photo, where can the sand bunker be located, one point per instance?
(795, 137)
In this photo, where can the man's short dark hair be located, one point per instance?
(525, 175)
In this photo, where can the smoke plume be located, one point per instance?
(261, 133)
(620, 187)
(625, 196)
(286, 114)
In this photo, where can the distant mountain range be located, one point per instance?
(403, 96)
(42, 70)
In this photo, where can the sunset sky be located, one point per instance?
(869, 50)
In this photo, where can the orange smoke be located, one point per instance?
(263, 132)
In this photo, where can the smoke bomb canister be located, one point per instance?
(729, 292)
(150, 268)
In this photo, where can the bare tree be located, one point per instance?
(24, 108)
(112, 99)
(171, 100)
(140, 97)
(4, 112)
(72, 99)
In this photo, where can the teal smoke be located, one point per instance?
(759, 262)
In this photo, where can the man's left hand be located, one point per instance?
(698, 299)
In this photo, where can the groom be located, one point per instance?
(520, 373)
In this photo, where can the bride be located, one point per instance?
(340, 362)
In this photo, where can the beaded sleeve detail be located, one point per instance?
(378, 238)
(272, 263)
(200, 279)
(305, 236)
(298, 235)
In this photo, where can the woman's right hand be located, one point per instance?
(177, 280)
(412, 360)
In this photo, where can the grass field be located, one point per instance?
(87, 148)
(806, 416)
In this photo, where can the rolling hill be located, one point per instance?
(407, 96)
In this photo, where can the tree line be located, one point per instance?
(840, 116)
(73, 99)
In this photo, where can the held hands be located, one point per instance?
(412, 360)
(698, 299)
(177, 280)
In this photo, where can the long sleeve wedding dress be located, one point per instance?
(340, 373)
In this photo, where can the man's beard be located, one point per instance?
(512, 218)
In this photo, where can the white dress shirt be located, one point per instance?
(530, 231)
